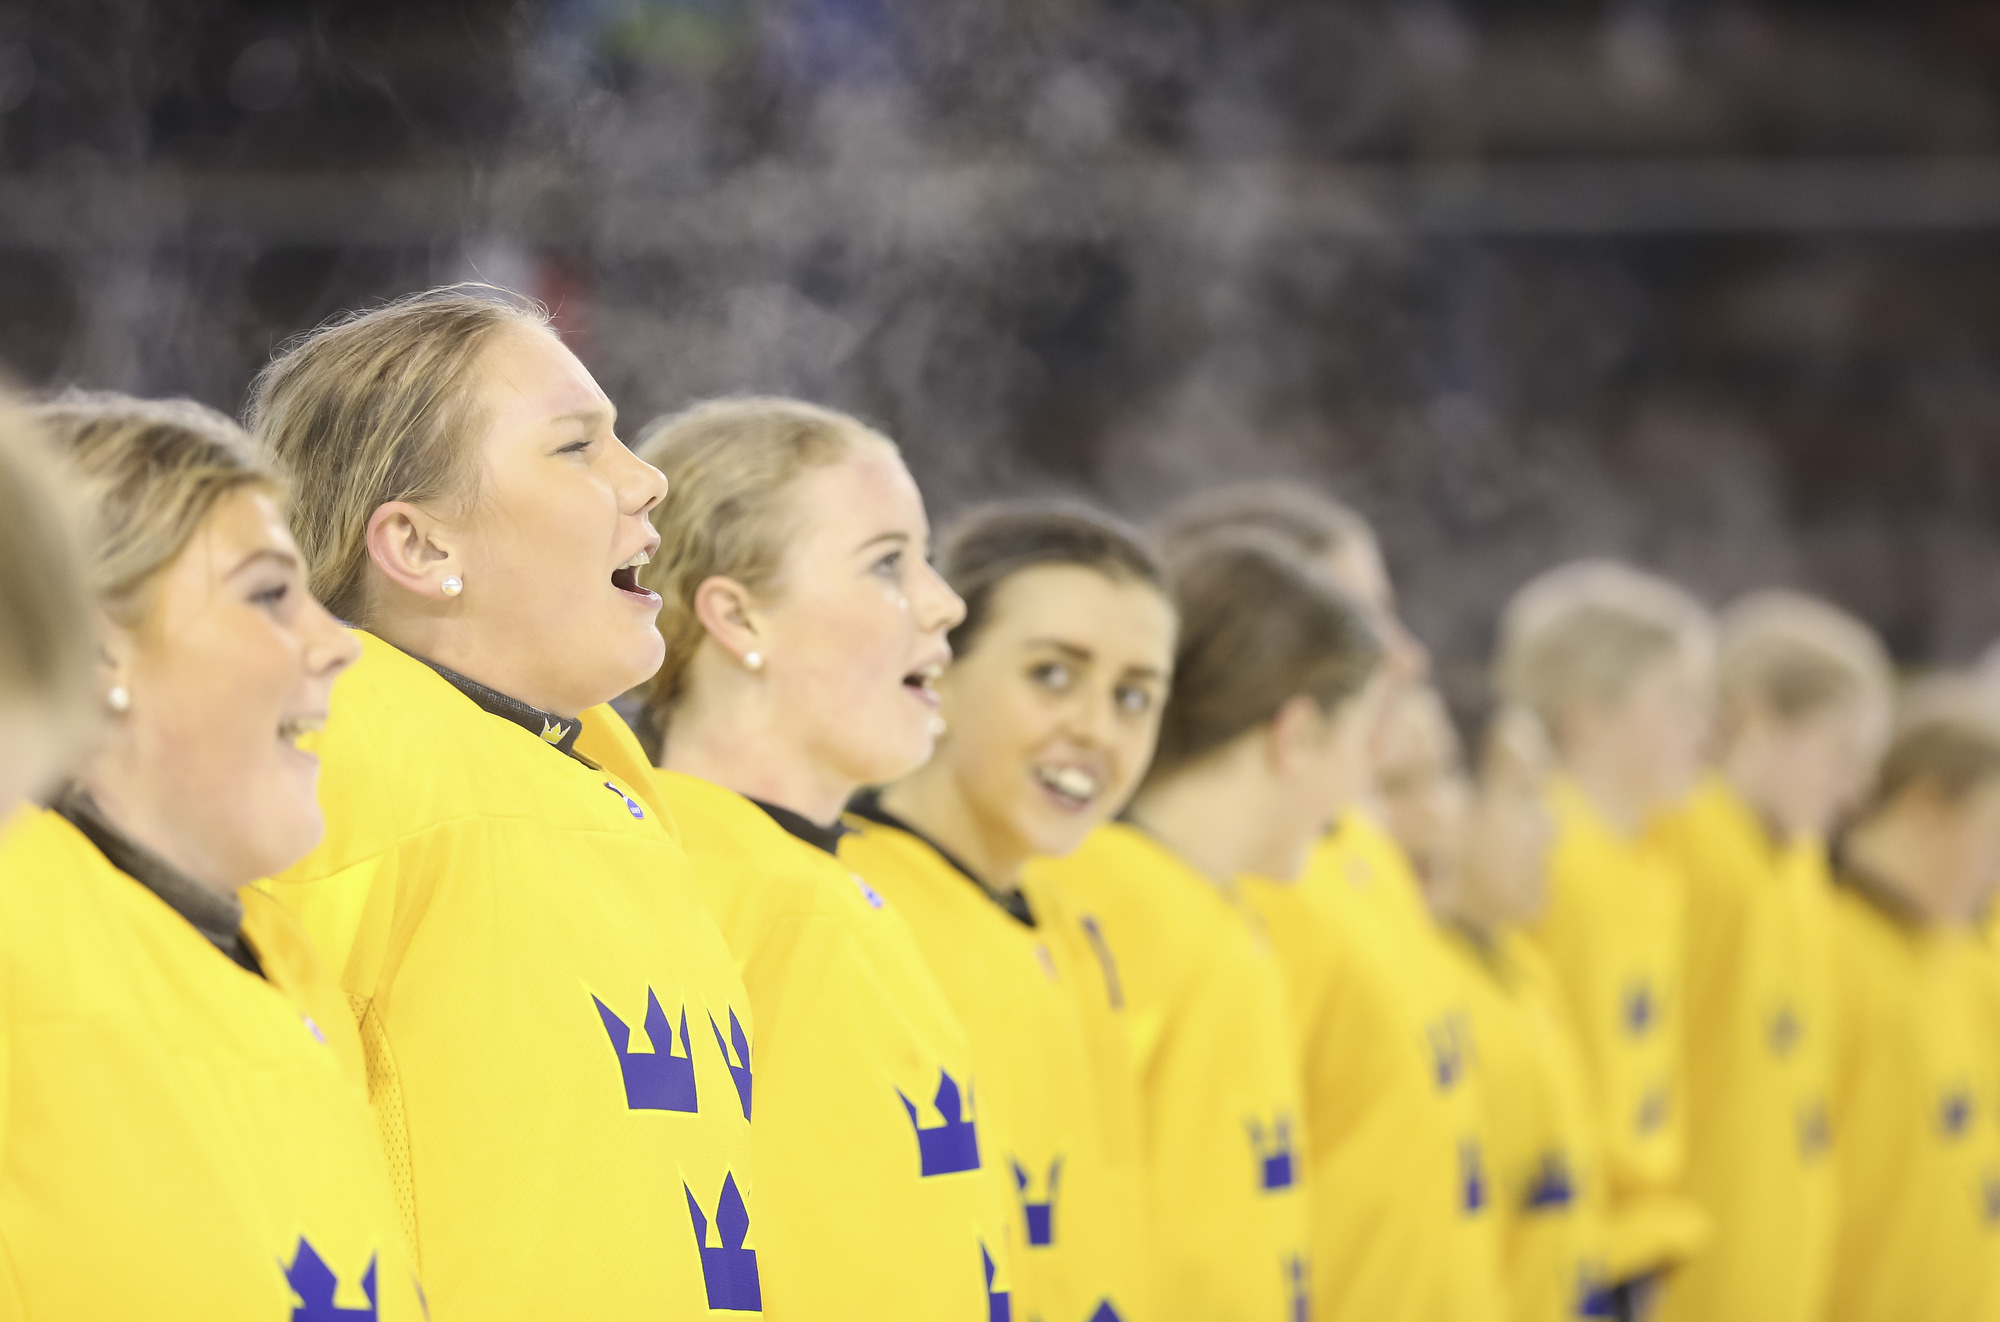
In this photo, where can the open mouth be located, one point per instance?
(626, 579)
(294, 730)
(922, 683)
(1072, 788)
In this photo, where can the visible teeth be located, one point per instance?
(930, 673)
(640, 559)
(1072, 781)
(294, 727)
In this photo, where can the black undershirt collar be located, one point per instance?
(217, 917)
(557, 732)
(868, 806)
(825, 838)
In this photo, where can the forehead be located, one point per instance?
(530, 375)
(864, 493)
(1109, 616)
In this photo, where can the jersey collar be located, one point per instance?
(558, 732)
(800, 826)
(867, 805)
(217, 917)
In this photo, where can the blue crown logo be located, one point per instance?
(1552, 1185)
(739, 1069)
(1276, 1159)
(1298, 1287)
(1955, 1112)
(1641, 1013)
(1114, 987)
(655, 1080)
(729, 1271)
(314, 1283)
(1815, 1133)
(953, 1145)
(1785, 1031)
(1104, 1313)
(1593, 1294)
(1472, 1175)
(999, 1307)
(1041, 1215)
(1652, 1110)
(1450, 1041)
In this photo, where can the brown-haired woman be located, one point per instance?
(45, 632)
(804, 628)
(509, 920)
(184, 1132)
(1258, 745)
(1913, 1117)
(1051, 705)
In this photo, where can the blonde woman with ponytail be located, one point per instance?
(558, 1043)
(804, 628)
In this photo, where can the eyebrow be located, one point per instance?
(883, 537)
(605, 415)
(1076, 653)
(282, 557)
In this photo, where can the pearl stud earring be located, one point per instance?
(453, 586)
(753, 660)
(119, 698)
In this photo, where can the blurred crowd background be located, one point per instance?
(1713, 285)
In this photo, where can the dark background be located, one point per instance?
(1711, 284)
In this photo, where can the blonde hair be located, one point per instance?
(374, 407)
(1952, 754)
(730, 465)
(1795, 655)
(1584, 631)
(45, 628)
(152, 471)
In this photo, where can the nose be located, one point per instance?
(640, 485)
(939, 609)
(330, 648)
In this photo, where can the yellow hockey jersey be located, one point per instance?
(1222, 1115)
(1758, 1042)
(1402, 1220)
(879, 1190)
(1916, 1138)
(1026, 995)
(1613, 934)
(556, 1036)
(1546, 1178)
(179, 1138)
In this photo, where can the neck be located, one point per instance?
(454, 645)
(743, 750)
(1889, 853)
(933, 801)
(1607, 792)
(122, 801)
(1217, 817)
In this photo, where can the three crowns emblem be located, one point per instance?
(314, 1283)
(1276, 1159)
(949, 1147)
(655, 1080)
(729, 1270)
(1041, 1216)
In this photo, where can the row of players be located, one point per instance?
(1176, 968)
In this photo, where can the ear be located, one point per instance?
(1297, 732)
(412, 548)
(116, 648)
(727, 610)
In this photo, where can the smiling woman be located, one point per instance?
(804, 629)
(505, 913)
(181, 1081)
(1053, 704)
